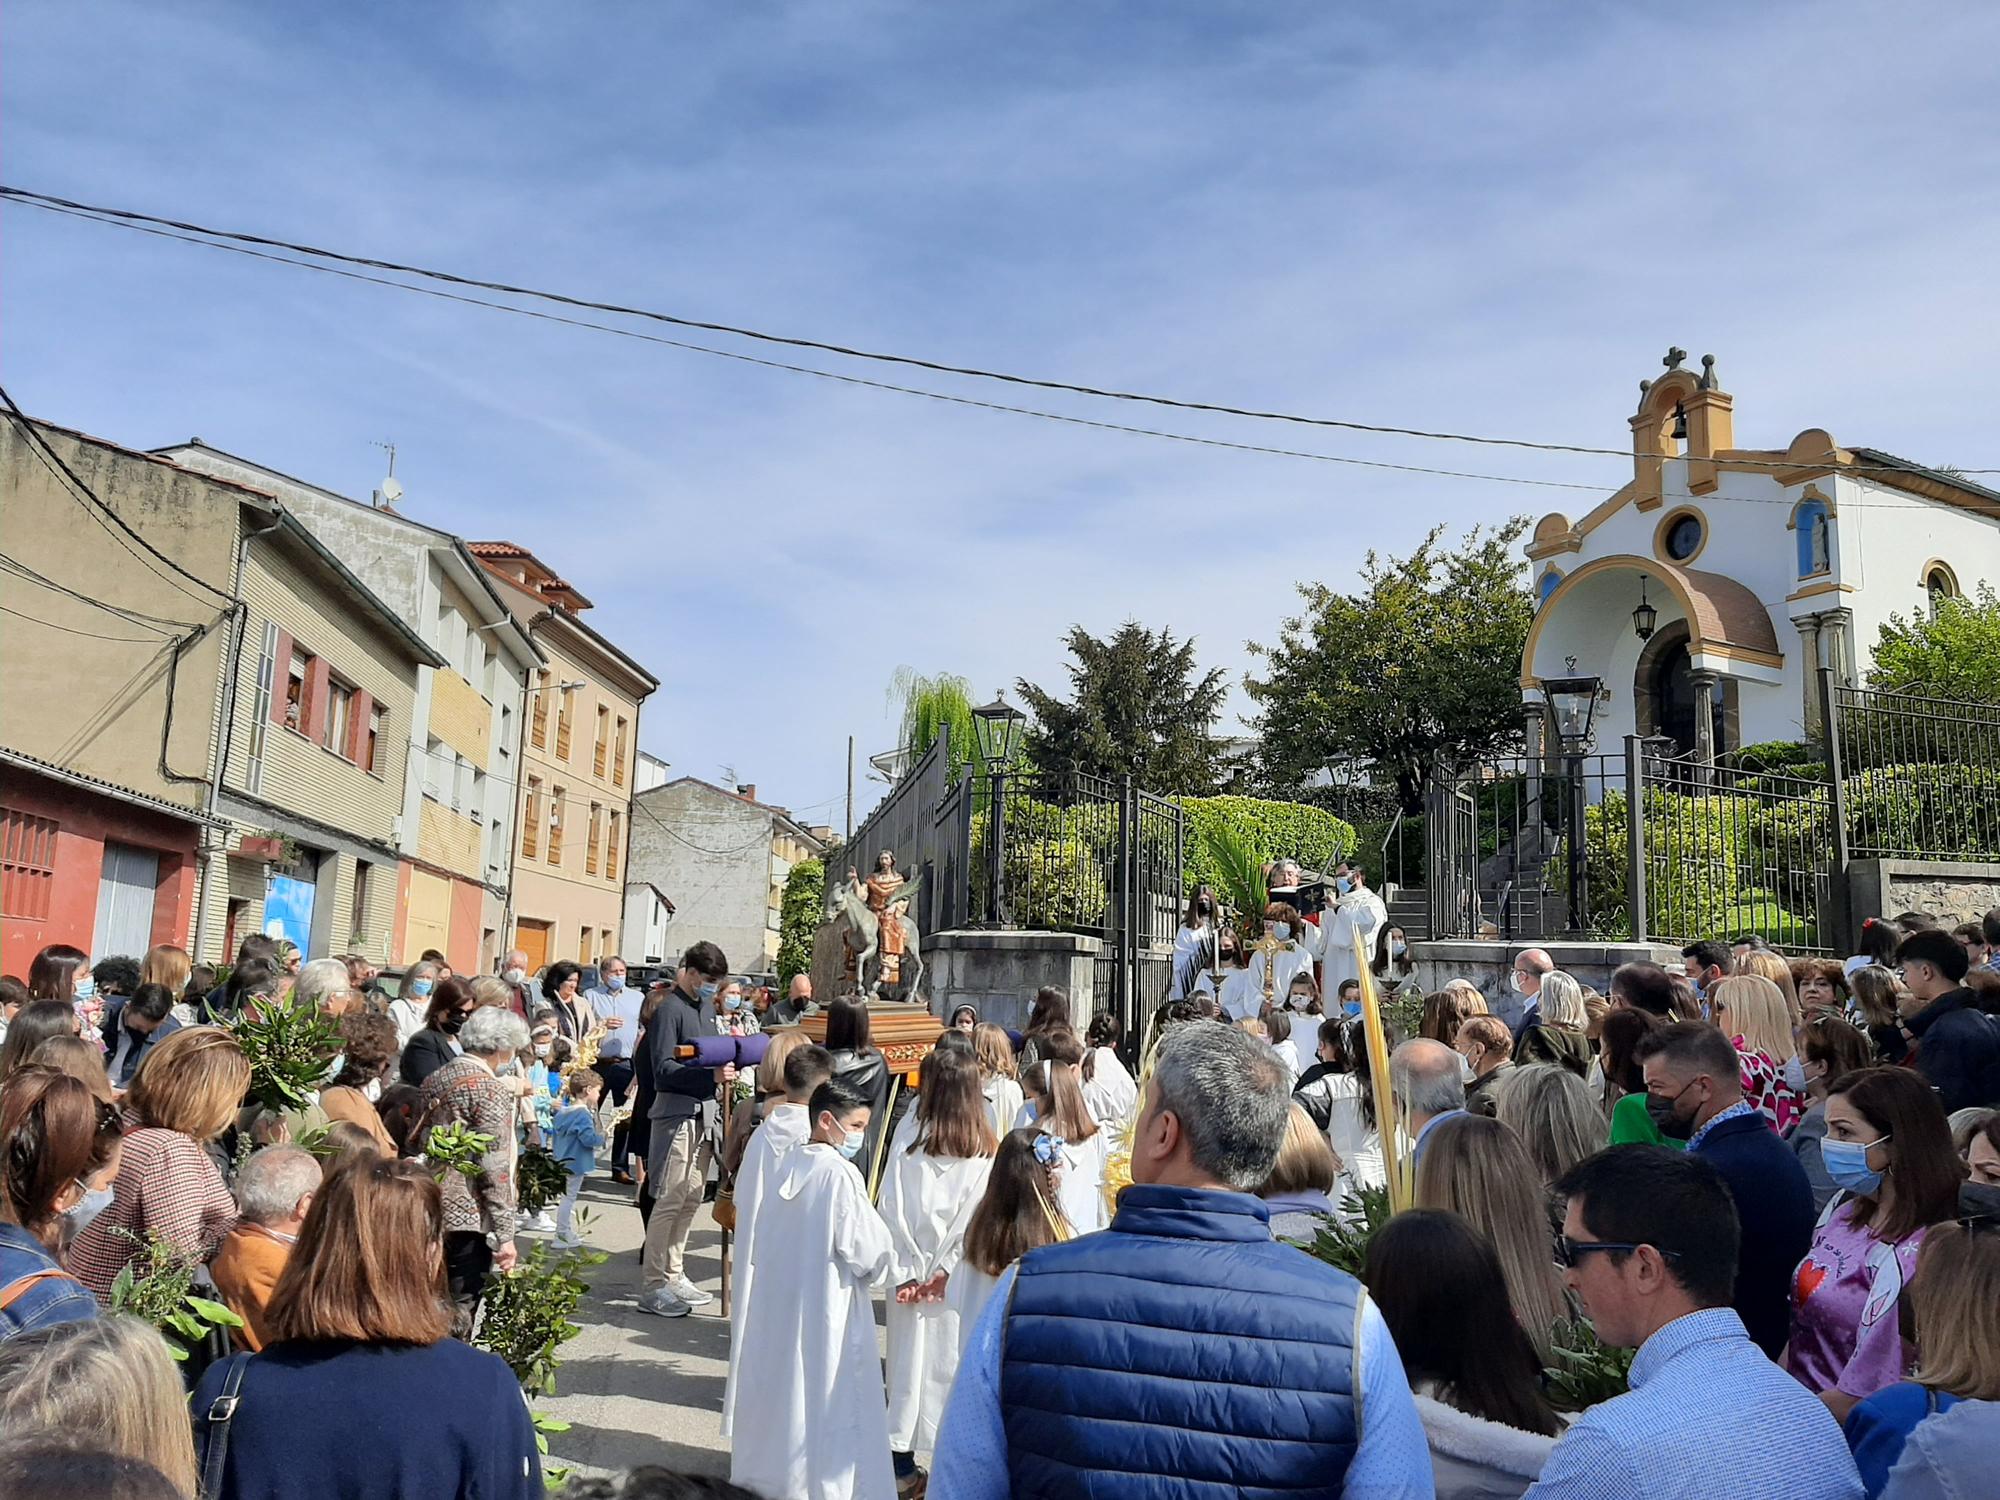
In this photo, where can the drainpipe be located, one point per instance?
(521, 792)
(232, 668)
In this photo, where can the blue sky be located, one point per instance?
(1479, 218)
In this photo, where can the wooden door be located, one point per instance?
(532, 938)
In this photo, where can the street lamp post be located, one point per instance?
(996, 727)
(1573, 705)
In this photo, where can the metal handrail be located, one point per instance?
(1387, 839)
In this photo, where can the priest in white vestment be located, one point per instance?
(932, 1183)
(784, 1127)
(1356, 918)
(808, 1334)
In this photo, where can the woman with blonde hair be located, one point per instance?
(1766, 964)
(1559, 1037)
(167, 1185)
(1478, 1169)
(1551, 1110)
(1449, 1008)
(1750, 1011)
(999, 1086)
(168, 965)
(109, 1381)
(359, 1323)
(1299, 1191)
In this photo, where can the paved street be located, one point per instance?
(635, 1388)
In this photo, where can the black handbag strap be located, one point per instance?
(221, 1412)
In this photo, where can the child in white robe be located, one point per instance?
(808, 1335)
(933, 1181)
(804, 1069)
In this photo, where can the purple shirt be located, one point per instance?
(1844, 1297)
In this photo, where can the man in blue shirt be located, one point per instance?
(1183, 1351)
(616, 1006)
(1650, 1238)
(1694, 1093)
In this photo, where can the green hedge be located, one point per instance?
(1316, 839)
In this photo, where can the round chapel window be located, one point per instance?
(1683, 538)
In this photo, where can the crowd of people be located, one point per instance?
(1102, 1268)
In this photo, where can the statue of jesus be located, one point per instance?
(880, 891)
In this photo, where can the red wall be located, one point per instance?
(85, 820)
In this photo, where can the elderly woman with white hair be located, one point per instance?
(1559, 1036)
(479, 1213)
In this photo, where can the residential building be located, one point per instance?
(649, 920)
(1707, 593)
(313, 754)
(723, 856)
(456, 824)
(113, 662)
(579, 744)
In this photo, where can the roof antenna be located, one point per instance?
(390, 492)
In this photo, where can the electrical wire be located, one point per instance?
(165, 626)
(88, 635)
(216, 238)
(106, 516)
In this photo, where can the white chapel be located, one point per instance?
(1707, 592)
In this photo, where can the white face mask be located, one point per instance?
(1465, 1069)
(372, 1090)
(1519, 985)
(514, 976)
(1282, 931)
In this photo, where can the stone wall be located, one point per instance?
(1952, 893)
(999, 972)
(1491, 965)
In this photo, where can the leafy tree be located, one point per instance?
(930, 706)
(800, 910)
(1424, 662)
(1951, 650)
(1137, 709)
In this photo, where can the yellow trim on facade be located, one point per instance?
(1816, 589)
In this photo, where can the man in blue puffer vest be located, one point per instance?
(1183, 1351)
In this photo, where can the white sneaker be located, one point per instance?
(567, 1242)
(661, 1302)
(545, 1222)
(688, 1292)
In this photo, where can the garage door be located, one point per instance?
(125, 901)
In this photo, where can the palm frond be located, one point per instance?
(1239, 871)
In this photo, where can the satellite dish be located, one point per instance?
(391, 491)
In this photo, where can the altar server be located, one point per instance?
(808, 1335)
(786, 1126)
(931, 1186)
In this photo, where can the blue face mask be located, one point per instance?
(734, 1002)
(1846, 1163)
(1353, 1007)
(851, 1147)
(1343, 885)
(93, 1202)
(1282, 931)
(86, 988)
(420, 987)
(707, 991)
(614, 982)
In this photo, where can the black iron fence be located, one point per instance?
(1918, 775)
(1634, 847)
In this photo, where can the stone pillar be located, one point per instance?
(1836, 629)
(1703, 682)
(1809, 641)
(1532, 718)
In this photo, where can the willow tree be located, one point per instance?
(929, 707)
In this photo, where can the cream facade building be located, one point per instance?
(313, 752)
(578, 751)
(1760, 566)
(456, 822)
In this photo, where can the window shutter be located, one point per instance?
(314, 716)
(358, 714)
(281, 672)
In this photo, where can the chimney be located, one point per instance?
(748, 793)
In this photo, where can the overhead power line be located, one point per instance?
(228, 238)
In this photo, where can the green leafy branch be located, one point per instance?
(456, 1148)
(157, 1287)
(289, 1048)
(539, 1179)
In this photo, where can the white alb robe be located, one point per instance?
(967, 1294)
(927, 1201)
(808, 1338)
(1188, 945)
(1003, 1103)
(1239, 1000)
(1109, 1092)
(782, 1129)
(1359, 914)
(1080, 1191)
